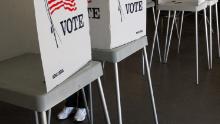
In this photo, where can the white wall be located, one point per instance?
(17, 28)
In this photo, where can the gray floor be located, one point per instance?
(179, 100)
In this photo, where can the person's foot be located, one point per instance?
(80, 115)
(64, 114)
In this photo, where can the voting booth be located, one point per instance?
(116, 22)
(195, 2)
(57, 30)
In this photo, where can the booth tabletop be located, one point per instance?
(182, 6)
(212, 2)
(22, 83)
(23, 74)
(150, 4)
(119, 53)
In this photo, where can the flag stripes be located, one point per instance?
(55, 5)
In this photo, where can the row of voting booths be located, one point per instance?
(44, 43)
(198, 7)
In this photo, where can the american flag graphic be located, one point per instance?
(54, 5)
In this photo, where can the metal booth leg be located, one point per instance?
(207, 41)
(171, 32)
(36, 117)
(168, 26)
(91, 103)
(197, 48)
(210, 28)
(103, 65)
(143, 66)
(49, 116)
(103, 101)
(155, 35)
(158, 42)
(177, 29)
(118, 93)
(151, 87)
(86, 104)
(181, 29)
(42, 116)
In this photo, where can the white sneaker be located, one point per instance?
(64, 114)
(80, 114)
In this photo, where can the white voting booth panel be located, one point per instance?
(58, 30)
(116, 22)
(196, 2)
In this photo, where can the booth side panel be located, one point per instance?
(128, 21)
(99, 23)
(63, 33)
